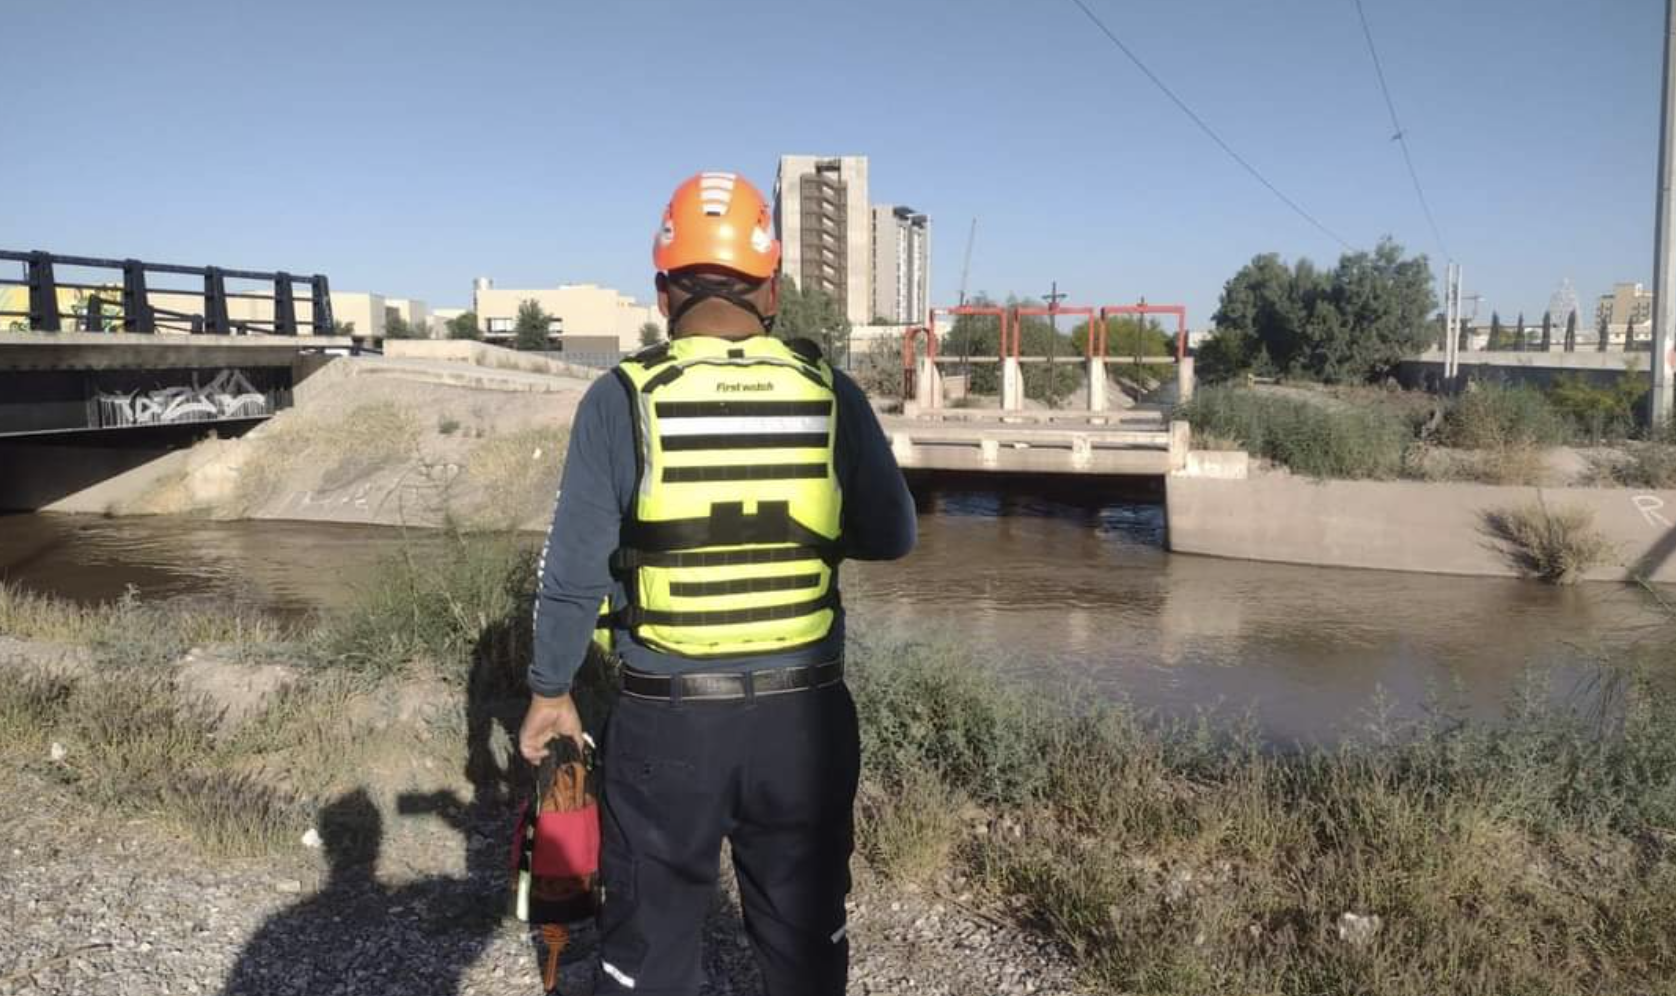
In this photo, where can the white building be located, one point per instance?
(821, 217)
(901, 271)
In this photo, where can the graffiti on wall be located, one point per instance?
(229, 395)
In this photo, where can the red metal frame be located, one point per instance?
(1142, 309)
(1000, 314)
(908, 355)
(1040, 312)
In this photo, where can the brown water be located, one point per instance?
(1076, 592)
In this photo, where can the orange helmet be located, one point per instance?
(717, 219)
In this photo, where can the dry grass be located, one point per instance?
(1555, 545)
(369, 438)
(1642, 465)
(909, 831)
(515, 476)
(130, 631)
(1214, 443)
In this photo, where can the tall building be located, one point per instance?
(1627, 303)
(821, 216)
(901, 265)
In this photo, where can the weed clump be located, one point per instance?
(1557, 546)
(1495, 417)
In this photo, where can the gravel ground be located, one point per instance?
(128, 908)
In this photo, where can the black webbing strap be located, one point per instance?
(744, 472)
(635, 616)
(726, 525)
(624, 562)
(701, 287)
(743, 586)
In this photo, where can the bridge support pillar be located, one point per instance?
(1181, 444)
(928, 384)
(1096, 385)
(1184, 379)
(1012, 385)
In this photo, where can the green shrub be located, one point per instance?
(1493, 416)
(439, 603)
(1598, 413)
(1319, 440)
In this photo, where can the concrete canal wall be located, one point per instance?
(1405, 526)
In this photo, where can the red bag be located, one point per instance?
(555, 856)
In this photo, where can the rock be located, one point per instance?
(311, 839)
(234, 691)
(58, 752)
(288, 886)
(1356, 930)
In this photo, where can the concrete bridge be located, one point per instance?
(77, 408)
(56, 383)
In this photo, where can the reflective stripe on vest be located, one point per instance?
(733, 535)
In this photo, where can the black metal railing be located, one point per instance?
(133, 311)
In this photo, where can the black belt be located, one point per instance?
(724, 685)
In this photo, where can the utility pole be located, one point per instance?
(1053, 299)
(1664, 263)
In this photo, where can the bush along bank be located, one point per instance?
(1490, 434)
(1534, 857)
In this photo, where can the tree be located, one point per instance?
(464, 326)
(396, 327)
(1629, 336)
(532, 326)
(1601, 335)
(1464, 344)
(814, 315)
(1354, 323)
(1547, 331)
(1571, 332)
(1519, 336)
(650, 333)
(1498, 338)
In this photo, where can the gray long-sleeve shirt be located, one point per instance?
(596, 492)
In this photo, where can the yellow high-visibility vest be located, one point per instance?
(733, 533)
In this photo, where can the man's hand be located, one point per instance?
(548, 718)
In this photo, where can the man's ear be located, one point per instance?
(662, 283)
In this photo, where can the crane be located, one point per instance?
(966, 263)
(966, 271)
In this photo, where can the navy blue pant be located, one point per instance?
(776, 777)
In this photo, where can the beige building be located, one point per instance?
(591, 316)
(1628, 302)
(825, 228)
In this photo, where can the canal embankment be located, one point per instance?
(1496, 482)
(394, 441)
(1433, 528)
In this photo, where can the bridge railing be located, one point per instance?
(131, 307)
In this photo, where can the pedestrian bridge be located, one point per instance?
(1094, 438)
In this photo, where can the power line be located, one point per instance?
(1207, 129)
(1400, 136)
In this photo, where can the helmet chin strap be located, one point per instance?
(699, 288)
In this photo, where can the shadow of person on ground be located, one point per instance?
(358, 935)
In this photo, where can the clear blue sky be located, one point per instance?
(405, 147)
